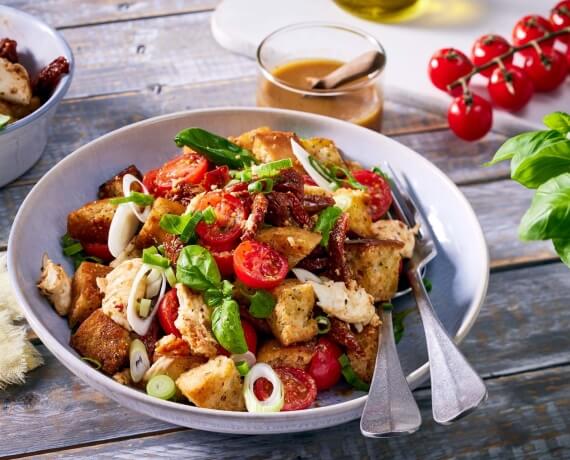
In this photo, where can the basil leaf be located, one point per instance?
(515, 144)
(562, 247)
(226, 327)
(560, 121)
(217, 149)
(197, 269)
(549, 212)
(326, 221)
(262, 304)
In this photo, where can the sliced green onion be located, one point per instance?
(144, 307)
(190, 227)
(161, 250)
(242, 176)
(73, 249)
(139, 362)
(209, 215)
(95, 363)
(387, 306)
(162, 387)
(140, 199)
(170, 276)
(243, 368)
(262, 304)
(325, 223)
(275, 401)
(183, 225)
(272, 168)
(348, 177)
(151, 256)
(323, 324)
(350, 376)
(398, 323)
(261, 186)
(378, 171)
(428, 284)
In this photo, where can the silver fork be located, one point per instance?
(456, 388)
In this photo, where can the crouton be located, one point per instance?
(151, 233)
(55, 285)
(363, 358)
(194, 324)
(171, 346)
(116, 287)
(214, 385)
(173, 366)
(293, 242)
(246, 139)
(124, 377)
(315, 190)
(91, 222)
(354, 202)
(376, 267)
(275, 354)
(274, 145)
(114, 186)
(291, 320)
(101, 339)
(396, 230)
(323, 150)
(85, 294)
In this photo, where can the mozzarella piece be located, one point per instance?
(55, 285)
(14, 83)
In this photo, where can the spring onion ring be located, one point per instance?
(272, 404)
(138, 324)
(128, 180)
(139, 362)
(123, 227)
(161, 386)
(247, 357)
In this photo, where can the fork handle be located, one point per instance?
(455, 386)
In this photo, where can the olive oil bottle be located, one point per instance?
(384, 10)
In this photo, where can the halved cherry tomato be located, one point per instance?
(216, 178)
(379, 191)
(168, 312)
(308, 180)
(250, 338)
(149, 180)
(324, 366)
(299, 387)
(188, 168)
(259, 266)
(230, 217)
(100, 250)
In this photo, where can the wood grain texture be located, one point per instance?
(522, 326)
(60, 13)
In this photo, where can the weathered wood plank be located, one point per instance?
(522, 326)
(60, 13)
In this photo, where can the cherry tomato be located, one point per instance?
(149, 180)
(299, 387)
(510, 88)
(100, 250)
(547, 72)
(446, 66)
(530, 28)
(379, 190)
(168, 312)
(470, 117)
(188, 168)
(230, 217)
(259, 266)
(225, 260)
(324, 366)
(489, 47)
(308, 180)
(216, 178)
(560, 19)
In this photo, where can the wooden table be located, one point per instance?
(141, 58)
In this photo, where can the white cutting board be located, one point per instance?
(239, 25)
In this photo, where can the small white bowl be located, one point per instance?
(22, 142)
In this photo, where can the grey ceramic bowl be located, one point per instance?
(22, 142)
(459, 273)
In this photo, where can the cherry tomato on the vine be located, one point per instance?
(489, 47)
(324, 366)
(259, 266)
(547, 71)
(510, 88)
(470, 117)
(530, 28)
(560, 19)
(446, 66)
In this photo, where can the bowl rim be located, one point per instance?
(63, 84)
(96, 378)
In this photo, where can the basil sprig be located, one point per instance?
(217, 149)
(326, 221)
(541, 160)
(261, 302)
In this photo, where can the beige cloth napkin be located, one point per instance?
(17, 354)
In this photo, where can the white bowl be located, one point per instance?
(459, 273)
(22, 142)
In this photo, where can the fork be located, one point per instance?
(457, 390)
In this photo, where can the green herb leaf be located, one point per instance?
(226, 327)
(515, 144)
(261, 186)
(549, 214)
(562, 247)
(4, 119)
(272, 168)
(151, 256)
(323, 324)
(183, 226)
(427, 284)
(560, 121)
(398, 323)
(197, 269)
(217, 149)
(326, 221)
(350, 376)
(379, 172)
(140, 199)
(262, 304)
(209, 215)
(243, 368)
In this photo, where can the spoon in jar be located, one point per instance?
(353, 70)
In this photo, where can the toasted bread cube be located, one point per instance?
(386, 229)
(376, 267)
(114, 186)
(90, 223)
(363, 359)
(101, 339)
(194, 323)
(173, 366)
(293, 242)
(274, 145)
(246, 139)
(291, 320)
(323, 150)
(85, 294)
(151, 233)
(171, 346)
(277, 355)
(214, 385)
(354, 202)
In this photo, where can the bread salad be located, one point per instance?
(20, 93)
(242, 274)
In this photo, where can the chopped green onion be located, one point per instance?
(348, 177)
(242, 176)
(261, 186)
(323, 324)
(243, 368)
(428, 284)
(350, 376)
(209, 215)
(326, 221)
(272, 168)
(183, 225)
(4, 119)
(73, 249)
(262, 304)
(387, 306)
(151, 256)
(161, 250)
(190, 227)
(144, 307)
(398, 323)
(95, 363)
(161, 386)
(377, 170)
(170, 276)
(140, 199)
(139, 361)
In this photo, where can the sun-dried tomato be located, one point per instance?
(49, 77)
(8, 50)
